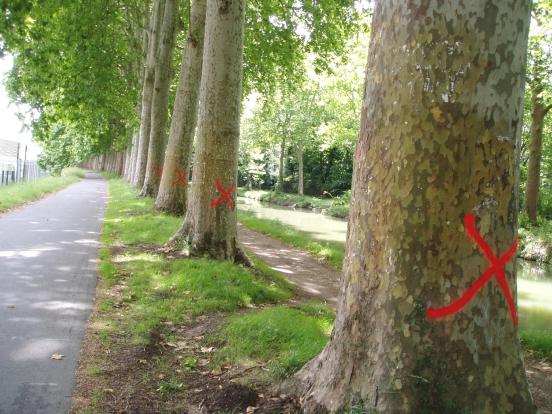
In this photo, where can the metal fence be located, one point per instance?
(14, 166)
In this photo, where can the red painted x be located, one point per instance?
(224, 194)
(496, 268)
(181, 179)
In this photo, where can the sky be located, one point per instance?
(11, 128)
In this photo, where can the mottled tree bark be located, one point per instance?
(213, 230)
(439, 138)
(172, 195)
(147, 93)
(160, 100)
(532, 186)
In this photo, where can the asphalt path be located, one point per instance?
(48, 272)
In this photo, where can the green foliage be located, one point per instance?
(317, 115)
(17, 194)
(281, 34)
(76, 65)
(286, 338)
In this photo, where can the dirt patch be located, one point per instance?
(539, 375)
(231, 397)
(312, 278)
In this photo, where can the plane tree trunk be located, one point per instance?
(532, 187)
(439, 139)
(172, 195)
(160, 100)
(147, 93)
(212, 230)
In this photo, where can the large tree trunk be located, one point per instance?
(211, 229)
(147, 93)
(439, 139)
(160, 100)
(173, 188)
(301, 180)
(535, 156)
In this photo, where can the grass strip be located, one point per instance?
(14, 195)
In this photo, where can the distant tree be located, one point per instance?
(540, 90)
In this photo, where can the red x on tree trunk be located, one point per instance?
(224, 194)
(181, 178)
(496, 268)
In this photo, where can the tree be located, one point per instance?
(439, 137)
(160, 99)
(540, 87)
(147, 93)
(172, 196)
(212, 229)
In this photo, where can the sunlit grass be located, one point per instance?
(17, 194)
(282, 337)
(158, 289)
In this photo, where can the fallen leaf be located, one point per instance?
(216, 372)
(142, 361)
(207, 350)
(108, 390)
(57, 357)
(251, 409)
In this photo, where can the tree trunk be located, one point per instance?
(209, 229)
(160, 100)
(173, 189)
(147, 93)
(532, 187)
(439, 137)
(301, 183)
(281, 172)
(121, 163)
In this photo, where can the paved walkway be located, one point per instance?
(48, 253)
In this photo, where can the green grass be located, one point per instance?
(331, 252)
(134, 220)
(17, 194)
(282, 337)
(157, 289)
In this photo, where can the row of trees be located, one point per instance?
(81, 66)
(440, 129)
